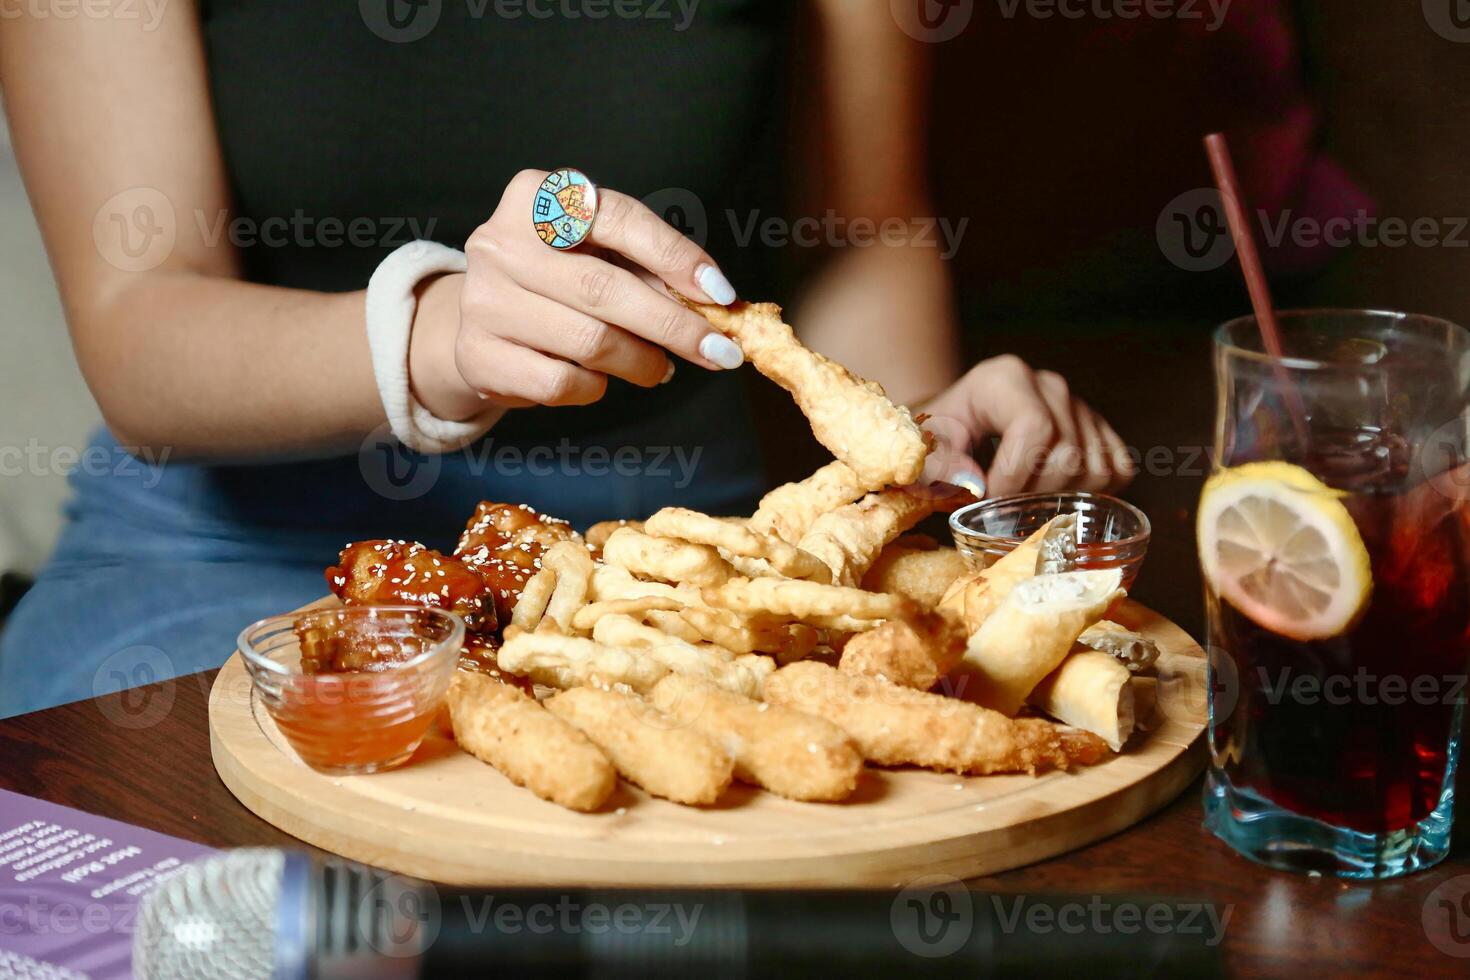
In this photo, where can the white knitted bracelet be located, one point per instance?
(391, 305)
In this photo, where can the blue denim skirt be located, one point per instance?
(162, 563)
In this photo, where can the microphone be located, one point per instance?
(257, 913)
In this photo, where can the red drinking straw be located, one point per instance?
(1255, 273)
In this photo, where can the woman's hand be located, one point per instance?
(528, 325)
(1049, 439)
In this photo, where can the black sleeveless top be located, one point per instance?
(349, 128)
(406, 118)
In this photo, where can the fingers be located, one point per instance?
(548, 326)
(1014, 407)
(627, 226)
(614, 295)
(508, 374)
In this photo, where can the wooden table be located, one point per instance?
(96, 756)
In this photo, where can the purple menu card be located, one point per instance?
(70, 885)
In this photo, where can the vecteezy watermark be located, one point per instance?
(1212, 12)
(1450, 19)
(933, 21)
(571, 916)
(129, 674)
(137, 229)
(150, 12)
(1361, 688)
(397, 473)
(936, 915)
(1446, 917)
(131, 462)
(404, 21)
(1193, 234)
(832, 230)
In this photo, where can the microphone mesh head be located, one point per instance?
(215, 919)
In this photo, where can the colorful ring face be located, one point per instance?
(564, 209)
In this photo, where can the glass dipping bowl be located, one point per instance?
(1110, 532)
(361, 720)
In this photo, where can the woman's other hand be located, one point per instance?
(529, 325)
(1049, 438)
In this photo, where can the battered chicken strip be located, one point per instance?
(741, 674)
(559, 661)
(797, 755)
(827, 606)
(895, 726)
(790, 509)
(648, 747)
(498, 724)
(849, 539)
(665, 558)
(852, 417)
(912, 653)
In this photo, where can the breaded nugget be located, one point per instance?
(912, 653)
(797, 755)
(922, 574)
(665, 558)
(895, 726)
(647, 746)
(500, 725)
(849, 539)
(851, 416)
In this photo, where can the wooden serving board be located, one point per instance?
(448, 817)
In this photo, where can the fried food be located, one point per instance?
(912, 653)
(790, 509)
(385, 573)
(831, 606)
(531, 747)
(530, 608)
(1030, 633)
(922, 574)
(1134, 650)
(736, 538)
(1091, 691)
(743, 675)
(572, 566)
(895, 726)
(572, 661)
(665, 558)
(598, 533)
(638, 607)
(610, 582)
(504, 543)
(1051, 550)
(852, 417)
(849, 539)
(794, 754)
(646, 746)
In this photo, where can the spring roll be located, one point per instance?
(1030, 634)
(1134, 650)
(1091, 691)
(1051, 550)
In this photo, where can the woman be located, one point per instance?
(198, 170)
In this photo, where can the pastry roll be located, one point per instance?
(1030, 634)
(1134, 650)
(1091, 691)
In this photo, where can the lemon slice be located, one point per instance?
(1279, 545)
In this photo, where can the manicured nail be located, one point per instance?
(973, 482)
(715, 286)
(721, 350)
(668, 373)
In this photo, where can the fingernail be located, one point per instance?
(721, 350)
(973, 482)
(715, 286)
(668, 373)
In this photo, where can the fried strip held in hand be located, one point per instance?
(852, 417)
(797, 755)
(648, 747)
(896, 726)
(500, 725)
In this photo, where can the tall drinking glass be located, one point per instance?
(1335, 541)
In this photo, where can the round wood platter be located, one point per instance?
(447, 817)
